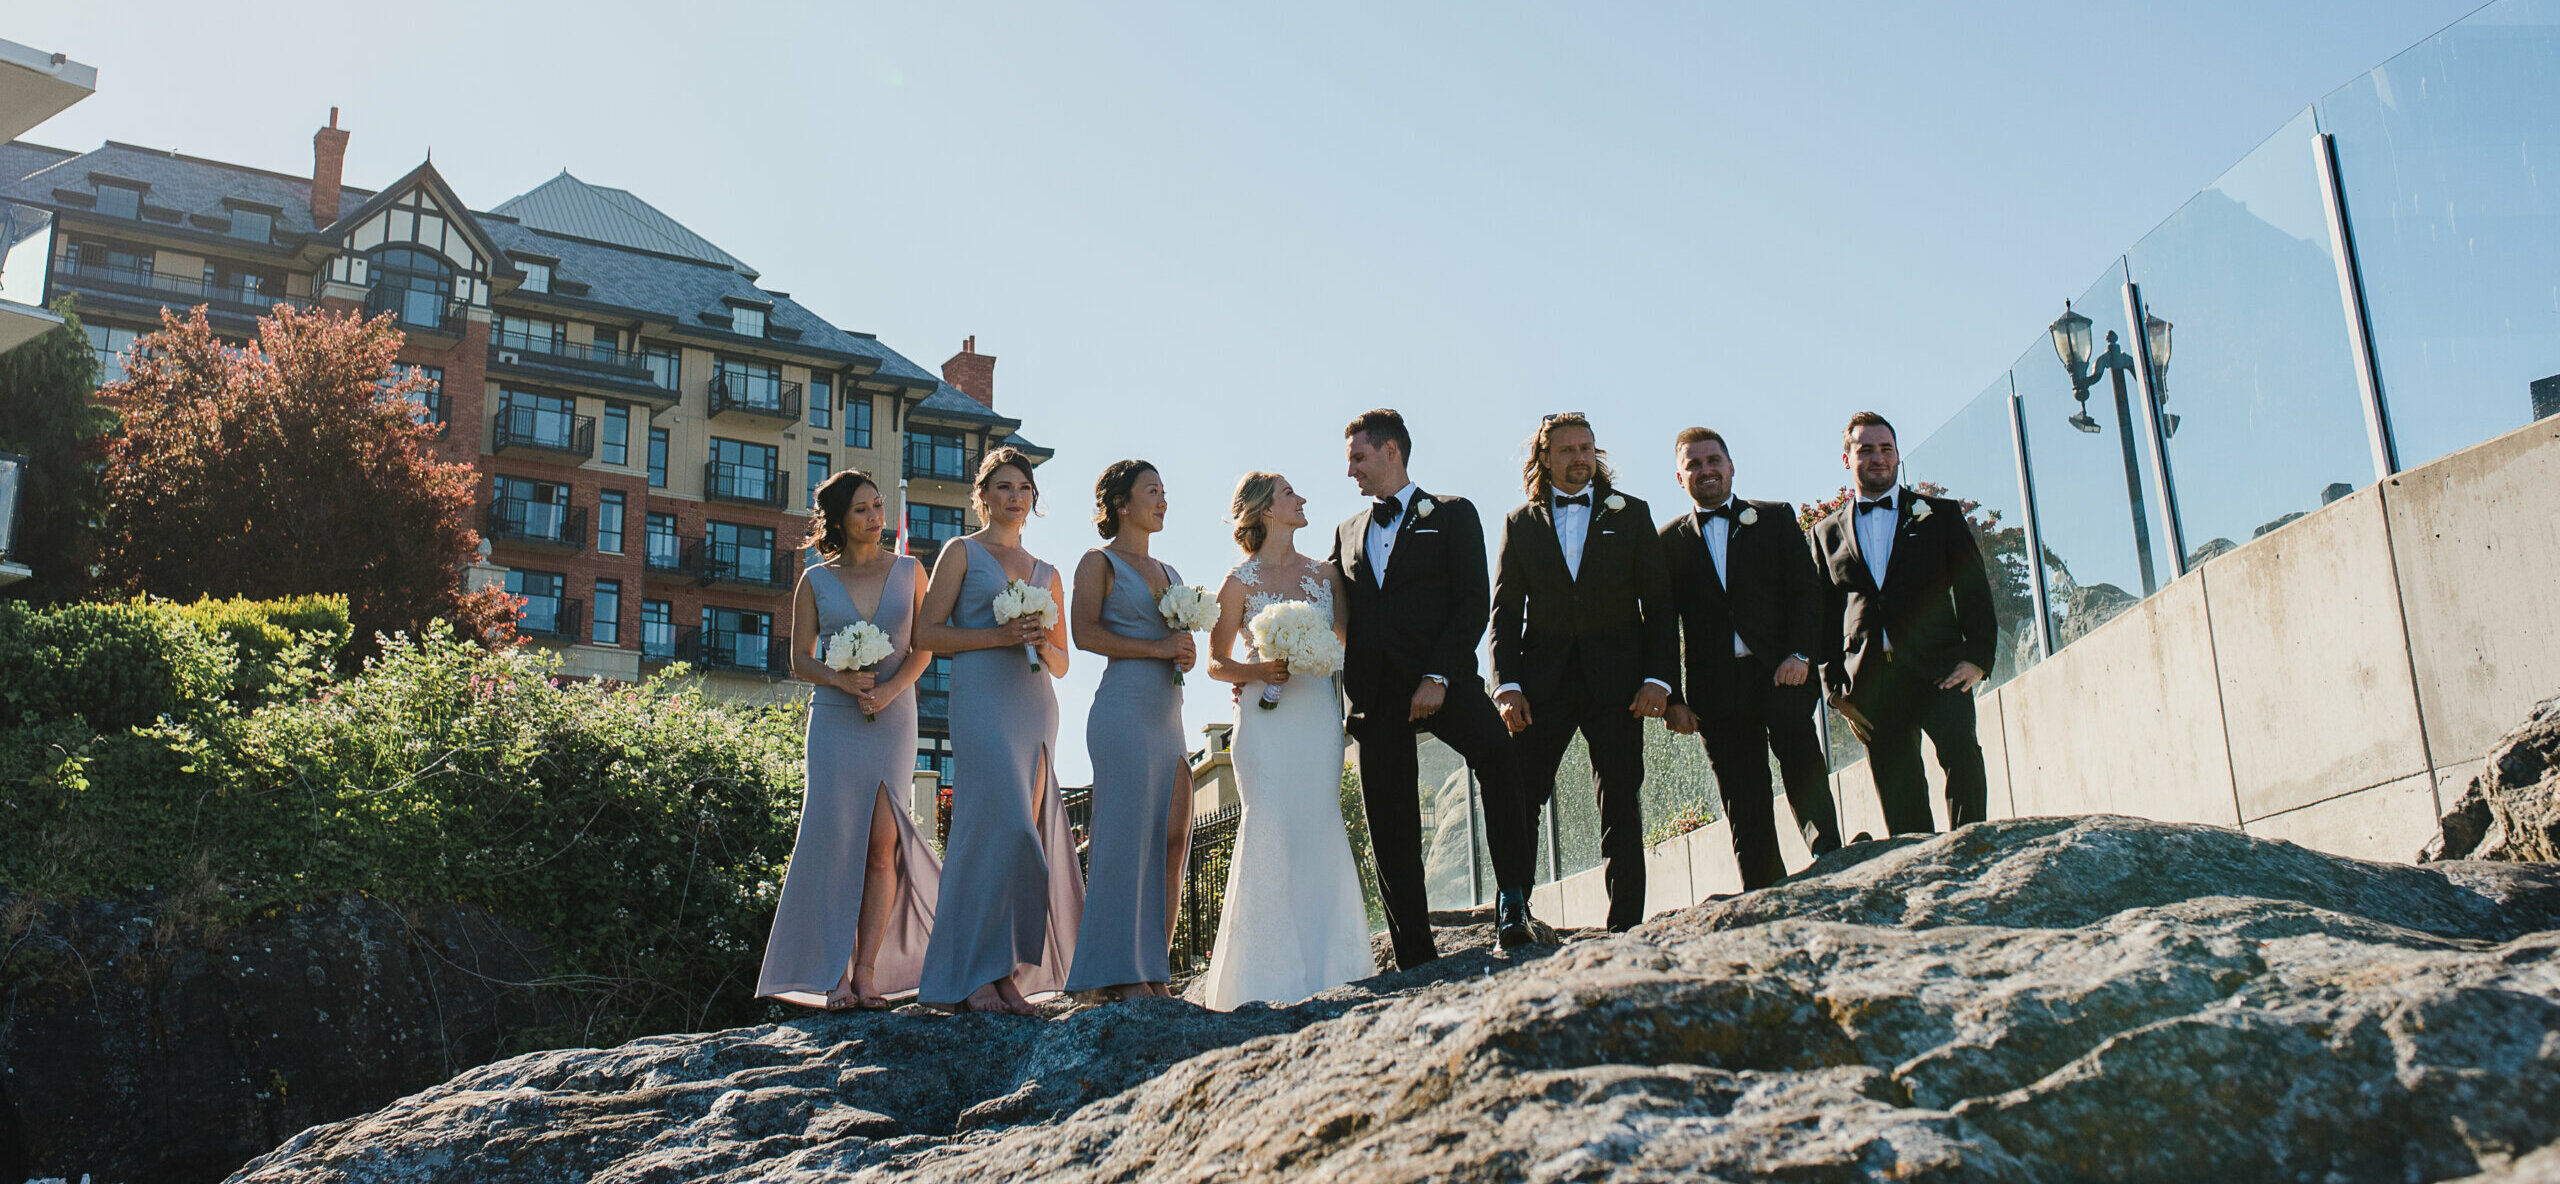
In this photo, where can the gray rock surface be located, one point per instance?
(2036, 999)
(2511, 810)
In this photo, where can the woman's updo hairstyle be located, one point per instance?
(998, 458)
(1255, 493)
(835, 496)
(1112, 492)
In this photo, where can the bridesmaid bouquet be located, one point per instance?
(1187, 608)
(1021, 599)
(857, 647)
(1300, 636)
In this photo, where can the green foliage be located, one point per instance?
(48, 417)
(113, 666)
(284, 646)
(639, 830)
(1355, 819)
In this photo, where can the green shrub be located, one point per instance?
(641, 831)
(283, 646)
(116, 666)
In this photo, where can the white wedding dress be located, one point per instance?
(1293, 923)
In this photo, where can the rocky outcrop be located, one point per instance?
(2511, 810)
(2035, 999)
(142, 1049)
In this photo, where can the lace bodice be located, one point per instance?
(1312, 588)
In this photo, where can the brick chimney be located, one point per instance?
(328, 167)
(973, 372)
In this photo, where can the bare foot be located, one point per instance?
(865, 990)
(844, 997)
(1012, 1001)
(985, 998)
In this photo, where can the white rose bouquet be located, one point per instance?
(1023, 599)
(1300, 636)
(858, 646)
(1187, 608)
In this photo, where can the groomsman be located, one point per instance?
(1751, 606)
(1911, 607)
(1583, 639)
(1414, 583)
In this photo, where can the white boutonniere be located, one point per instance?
(1423, 506)
(1919, 510)
(1614, 502)
(1749, 515)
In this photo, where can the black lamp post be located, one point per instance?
(2071, 343)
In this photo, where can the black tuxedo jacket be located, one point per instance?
(1770, 594)
(1935, 599)
(1616, 615)
(1426, 616)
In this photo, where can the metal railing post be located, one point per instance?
(2034, 530)
(2164, 486)
(2342, 250)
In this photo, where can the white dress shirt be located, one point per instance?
(1718, 531)
(1382, 538)
(1573, 525)
(1875, 537)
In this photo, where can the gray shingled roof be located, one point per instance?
(598, 213)
(19, 158)
(183, 183)
(679, 290)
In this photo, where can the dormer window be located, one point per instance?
(537, 276)
(749, 321)
(253, 225)
(119, 201)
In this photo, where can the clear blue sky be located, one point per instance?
(1209, 234)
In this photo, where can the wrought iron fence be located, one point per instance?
(1204, 888)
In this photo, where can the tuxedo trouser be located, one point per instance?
(1616, 741)
(1390, 793)
(1904, 704)
(1743, 723)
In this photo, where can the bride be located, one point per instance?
(1293, 923)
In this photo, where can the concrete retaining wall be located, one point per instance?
(2334, 683)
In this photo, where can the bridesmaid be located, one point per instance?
(1141, 776)
(1012, 894)
(859, 898)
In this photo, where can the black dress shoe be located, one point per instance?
(1511, 918)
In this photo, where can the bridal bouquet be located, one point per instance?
(1187, 608)
(1021, 599)
(1299, 635)
(857, 647)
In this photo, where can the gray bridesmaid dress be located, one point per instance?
(1134, 736)
(1012, 895)
(850, 762)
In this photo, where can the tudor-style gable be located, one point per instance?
(413, 250)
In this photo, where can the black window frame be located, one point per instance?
(612, 508)
(615, 448)
(606, 628)
(115, 209)
(857, 420)
(822, 401)
(658, 458)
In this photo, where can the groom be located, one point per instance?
(1414, 568)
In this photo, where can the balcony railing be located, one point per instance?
(753, 485)
(143, 284)
(942, 464)
(734, 652)
(552, 620)
(661, 641)
(520, 428)
(661, 554)
(751, 567)
(623, 369)
(418, 310)
(541, 524)
(754, 395)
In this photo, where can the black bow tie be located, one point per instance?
(1582, 499)
(1730, 512)
(1882, 503)
(1385, 510)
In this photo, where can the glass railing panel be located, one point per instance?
(2440, 152)
(1452, 835)
(2261, 416)
(1973, 460)
(2103, 553)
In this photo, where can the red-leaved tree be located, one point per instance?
(285, 469)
